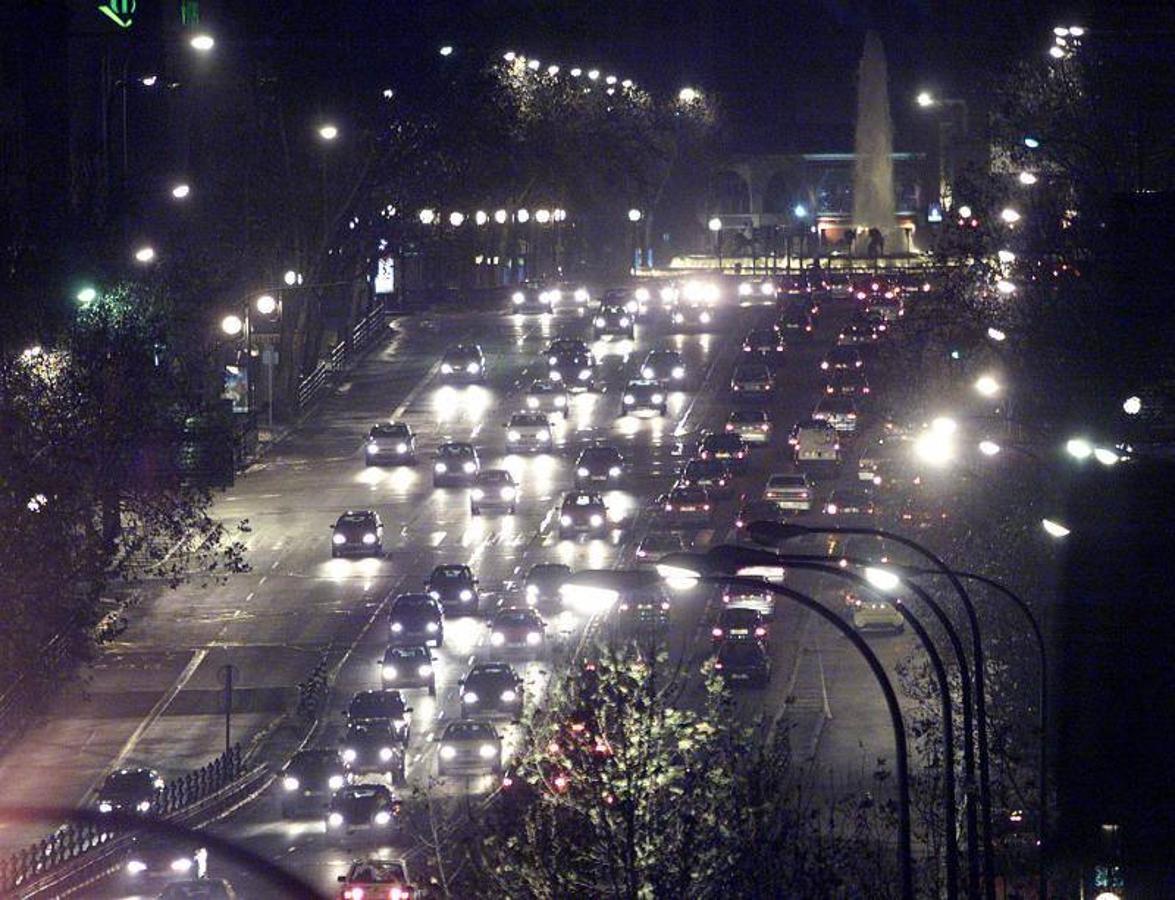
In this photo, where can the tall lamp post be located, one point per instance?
(946, 174)
(635, 216)
(715, 226)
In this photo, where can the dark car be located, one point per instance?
(758, 511)
(764, 344)
(665, 366)
(517, 627)
(582, 512)
(309, 779)
(405, 667)
(796, 323)
(492, 688)
(542, 582)
(842, 357)
(357, 532)
(644, 396)
(838, 411)
(739, 623)
(743, 662)
(199, 889)
(382, 705)
(711, 474)
(368, 879)
(565, 347)
(849, 502)
(416, 619)
(856, 332)
(532, 299)
(847, 383)
(751, 380)
(371, 746)
(612, 321)
(455, 587)
(920, 511)
(154, 862)
(493, 489)
(456, 463)
(684, 507)
(362, 806)
(575, 371)
(390, 442)
(464, 363)
(642, 609)
(656, 544)
(129, 791)
(728, 447)
(598, 466)
(470, 747)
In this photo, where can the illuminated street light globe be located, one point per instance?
(1053, 528)
(290, 278)
(593, 74)
(446, 50)
(480, 217)
(1132, 406)
(687, 95)
(800, 211)
(576, 72)
(1005, 287)
(542, 216)
(500, 216)
(266, 304)
(715, 224)
(1010, 215)
(522, 216)
(1027, 178)
(533, 65)
(456, 218)
(997, 335)
(202, 42)
(552, 70)
(181, 191)
(232, 325)
(427, 216)
(1056, 52)
(634, 215)
(965, 211)
(87, 295)
(509, 56)
(925, 99)
(989, 448)
(1031, 143)
(145, 254)
(987, 386)
(328, 132)
(1079, 448)
(1006, 256)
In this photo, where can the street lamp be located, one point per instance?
(542, 216)
(181, 191)
(964, 211)
(1005, 287)
(989, 448)
(1132, 405)
(456, 218)
(1027, 178)
(715, 226)
(997, 335)
(552, 70)
(593, 74)
(523, 216)
(1009, 215)
(446, 50)
(1005, 256)
(687, 95)
(1054, 528)
(145, 254)
(427, 216)
(634, 215)
(1079, 448)
(266, 304)
(328, 132)
(232, 325)
(202, 43)
(291, 277)
(500, 216)
(480, 217)
(925, 99)
(1106, 456)
(87, 295)
(987, 385)
(800, 211)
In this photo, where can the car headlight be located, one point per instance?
(497, 639)
(560, 401)
(657, 398)
(431, 627)
(143, 806)
(631, 306)
(466, 594)
(641, 294)
(556, 375)
(599, 321)
(448, 751)
(678, 372)
(744, 290)
(532, 590)
(478, 493)
(390, 673)
(509, 696)
(397, 627)
(554, 295)
(629, 398)
(334, 820)
(334, 782)
(830, 509)
(436, 595)
(383, 817)
(614, 471)
(507, 493)
(424, 671)
(766, 289)
(469, 697)
(565, 519)
(513, 435)
(339, 538)
(597, 520)
(349, 755)
(183, 864)
(532, 402)
(518, 297)
(543, 436)
(373, 448)
(582, 471)
(585, 374)
(440, 467)
(369, 538)
(105, 806)
(581, 295)
(468, 468)
(704, 318)
(624, 321)
(533, 638)
(385, 753)
(290, 783)
(678, 318)
(487, 751)
(473, 368)
(401, 448)
(647, 372)
(135, 866)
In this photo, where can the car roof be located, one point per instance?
(749, 415)
(414, 599)
(786, 478)
(689, 491)
(543, 568)
(529, 418)
(466, 730)
(493, 668)
(497, 475)
(447, 569)
(357, 515)
(455, 447)
(583, 498)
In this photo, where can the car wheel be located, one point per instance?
(400, 775)
(475, 510)
(334, 554)
(511, 510)
(441, 772)
(432, 688)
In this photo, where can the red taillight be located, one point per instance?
(760, 631)
(716, 632)
(705, 507)
(717, 665)
(353, 893)
(668, 507)
(739, 455)
(729, 426)
(739, 523)
(764, 427)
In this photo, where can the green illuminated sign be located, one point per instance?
(120, 12)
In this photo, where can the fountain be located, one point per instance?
(873, 196)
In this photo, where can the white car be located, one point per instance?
(752, 425)
(839, 412)
(545, 397)
(529, 433)
(790, 492)
(815, 442)
(876, 615)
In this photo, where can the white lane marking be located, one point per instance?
(344, 387)
(249, 596)
(264, 578)
(159, 707)
(437, 538)
(428, 378)
(275, 564)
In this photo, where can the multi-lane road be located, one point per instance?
(153, 698)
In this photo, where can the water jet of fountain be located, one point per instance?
(873, 194)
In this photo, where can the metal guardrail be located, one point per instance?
(342, 355)
(73, 843)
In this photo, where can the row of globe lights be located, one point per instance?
(456, 218)
(553, 69)
(1066, 39)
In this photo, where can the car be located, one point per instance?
(455, 587)
(155, 861)
(376, 878)
(877, 463)
(646, 302)
(309, 779)
(874, 614)
(789, 491)
(751, 380)
(847, 383)
(873, 318)
(382, 705)
(371, 747)
(390, 442)
(691, 315)
(416, 619)
(656, 544)
(796, 323)
(686, 506)
(546, 397)
(743, 662)
(517, 626)
(842, 357)
(532, 299)
(754, 510)
(493, 489)
(920, 511)
(727, 447)
(665, 366)
(625, 298)
(613, 321)
(408, 666)
(542, 582)
(667, 296)
(645, 608)
(456, 463)
(575, 370)
(700, 292)
(753, 425)
(129, 790)
(711, 474)
(565, 347)
(491, 688)
(357, 532)
(860, 549)
(598, 466)
(362, 806)
(764, 344)
(757, 290)
(744, 596)
(889, 305)
(463, 364)
(199, 889)
(806, 303)
(739, 623)
(469, 747)
(839, 412)
(529, 432)
(849, 502)
(815, 444)
(582, 512)
(856, 332)
(644, 396)
(838, 285)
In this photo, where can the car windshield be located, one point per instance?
(373, 704)
(355, 519)
(723, 442)
(688, 495)
(128, 782)
(761, 338)
(543, 387)
(413, 603)
(377, 872)
(494, 476)
(836, 405)
(704, 468)
(470, 731)
(516, 617)
(405, 654)
(547, 573)
(451, 451)
(451, 573)
(312, 761)
(599, 455)
(204, 889)
(583, 500)
(752, 373)
(738, 616)
(390, 431)
(529, 420)
(662, 542)
(786, 481)
(748, 417)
